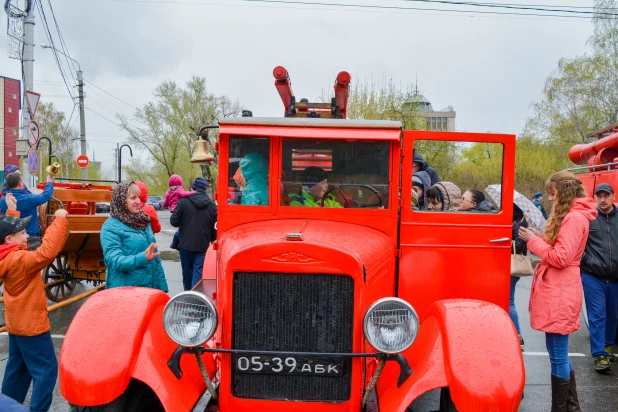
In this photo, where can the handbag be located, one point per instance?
(521, 265)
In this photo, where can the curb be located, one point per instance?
(170, 255)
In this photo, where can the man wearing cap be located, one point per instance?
(537, 199)
(195, 217)
(31, 352)
(315, 186)
(599, 267)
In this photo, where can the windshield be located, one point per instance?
(335, 173)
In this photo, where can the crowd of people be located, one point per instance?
(578, 252)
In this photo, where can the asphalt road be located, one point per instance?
(597, 393)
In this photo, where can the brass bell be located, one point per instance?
(201, 154)
(53, 169)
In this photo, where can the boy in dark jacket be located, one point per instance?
(419, 164)
(195, 217)
(599, 267)
(28, 202)
(31, 352)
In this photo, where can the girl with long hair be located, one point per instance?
(556, 294)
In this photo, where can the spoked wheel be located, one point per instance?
(59, 270)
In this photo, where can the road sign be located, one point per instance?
(32, 99)
(33, 160)
(82, 161)
(34, 133)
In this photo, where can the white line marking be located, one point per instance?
(547, 354)
(53, 336)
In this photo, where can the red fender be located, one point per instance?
(470, 346)
(118, 335)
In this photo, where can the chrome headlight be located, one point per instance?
(390, 325)
(190, 319)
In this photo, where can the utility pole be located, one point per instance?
(28, 74)
(82, 120)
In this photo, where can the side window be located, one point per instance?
(335, 173)
(463, 177)
(248, 171)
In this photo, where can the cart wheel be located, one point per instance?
(59, 269)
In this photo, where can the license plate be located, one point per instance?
(290, 365)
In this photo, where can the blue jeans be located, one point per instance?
(31, 358)
(512, 308)
(192, 264)
(558, 348)
(602, 308)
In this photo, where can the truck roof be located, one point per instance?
(312, 128)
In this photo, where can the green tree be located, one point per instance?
(581, 95)
(167, 129)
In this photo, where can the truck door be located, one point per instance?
(448, 254)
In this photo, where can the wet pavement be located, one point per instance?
(597, 392)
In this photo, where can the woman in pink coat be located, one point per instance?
(556, 294)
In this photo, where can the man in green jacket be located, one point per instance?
(314, 179)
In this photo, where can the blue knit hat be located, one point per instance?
(199, 184)
(537, 195)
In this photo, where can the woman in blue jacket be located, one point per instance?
(129, 247)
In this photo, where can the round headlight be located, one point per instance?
(390, 325)
(190, 319)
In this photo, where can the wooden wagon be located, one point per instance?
(81, 257)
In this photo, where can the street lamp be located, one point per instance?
(82, 114)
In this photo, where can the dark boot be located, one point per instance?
(559, 392)
(572, 399)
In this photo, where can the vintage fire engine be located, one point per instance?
(359, 303)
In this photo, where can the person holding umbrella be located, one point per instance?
(556, 293)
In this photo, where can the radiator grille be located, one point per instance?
(299, 313)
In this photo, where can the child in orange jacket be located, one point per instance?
(31, 353)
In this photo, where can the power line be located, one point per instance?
(577, 15)
(50, 38)
(100, 115)
(120, 100)
(511, 6)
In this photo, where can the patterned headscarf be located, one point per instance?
(139, 220)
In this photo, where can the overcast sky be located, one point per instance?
(488, 68)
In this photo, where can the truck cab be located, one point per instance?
(324, 290)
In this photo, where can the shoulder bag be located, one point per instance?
(521, 265)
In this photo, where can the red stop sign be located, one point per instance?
(82, 161)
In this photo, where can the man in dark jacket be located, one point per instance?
(420, 164)
(537, 199)
(599, 267)
(195, 217)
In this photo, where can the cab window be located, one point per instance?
(470, 176)
(248, 171)
(335, 173)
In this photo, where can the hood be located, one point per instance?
(200, 200)
(175, 180)
(484, 206)
(451, 195)
(420, 159)
(325, 244)
(426, 180)
(253, 167)
(585, 206)
(6, 249)
(143, 191)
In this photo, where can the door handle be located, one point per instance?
(502, 239)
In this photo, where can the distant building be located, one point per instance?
(10, 104)
(442, 120)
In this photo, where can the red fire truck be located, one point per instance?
(360, 303)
